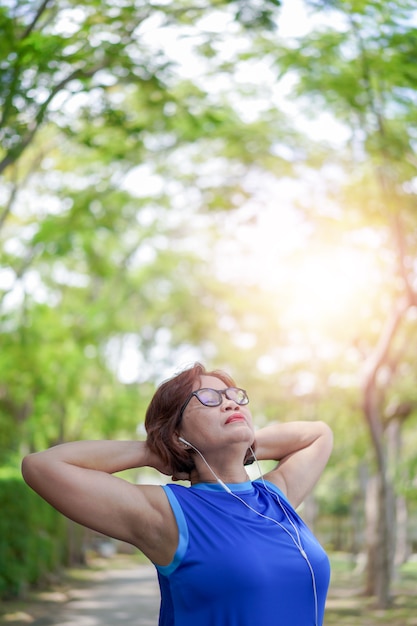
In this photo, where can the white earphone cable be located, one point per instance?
(296, 540)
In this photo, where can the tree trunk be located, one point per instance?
(379, 539)
(398, 415)
(380, 532)
(402, 545)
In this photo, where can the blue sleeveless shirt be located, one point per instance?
(235, 568)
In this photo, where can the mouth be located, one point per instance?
(236, 417)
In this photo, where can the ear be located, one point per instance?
(182, 442)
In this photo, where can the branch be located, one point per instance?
(9, 205)
(13, 155)
(401, 253)
(37, 17)
(371, 395)
(17, 65)
(380, 353)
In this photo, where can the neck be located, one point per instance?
(218, 465)
(228, 474)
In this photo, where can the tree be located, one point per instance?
(101, 143)
(364, 73)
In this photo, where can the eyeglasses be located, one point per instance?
(213, 397)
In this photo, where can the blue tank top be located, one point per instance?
(235, 568)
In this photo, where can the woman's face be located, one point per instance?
(215, 427)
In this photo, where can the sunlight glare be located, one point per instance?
(314, 282)
(328, 285)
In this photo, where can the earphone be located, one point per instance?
(219, 480)
(296, 540)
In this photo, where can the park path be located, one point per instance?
(127, 596)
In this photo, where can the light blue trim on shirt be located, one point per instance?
(241, 487)
(236, 487)
(166, 570)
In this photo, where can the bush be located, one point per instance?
(32, 536)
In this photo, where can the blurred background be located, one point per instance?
(229, 181)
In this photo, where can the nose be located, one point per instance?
(228, 404)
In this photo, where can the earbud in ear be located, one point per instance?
(184, 441)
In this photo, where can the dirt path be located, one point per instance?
(129, 596)
(123, 595)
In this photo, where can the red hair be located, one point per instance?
(162, 419)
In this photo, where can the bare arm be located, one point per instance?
(302, 449)
(77, 479)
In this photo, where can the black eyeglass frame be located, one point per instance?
(220, 393)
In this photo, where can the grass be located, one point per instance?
(346, 606)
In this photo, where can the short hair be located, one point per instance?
(163, 418)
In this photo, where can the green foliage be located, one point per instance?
(48, 49)
(121, 174)
(87, 99)
(32, 536)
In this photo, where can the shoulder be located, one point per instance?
(271, 489)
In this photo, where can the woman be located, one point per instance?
(228, 551)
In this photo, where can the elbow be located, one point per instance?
(325, 429)
(326, 436)
(29, 469)
(26, 468)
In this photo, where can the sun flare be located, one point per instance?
(315, 281)
(328, 285)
